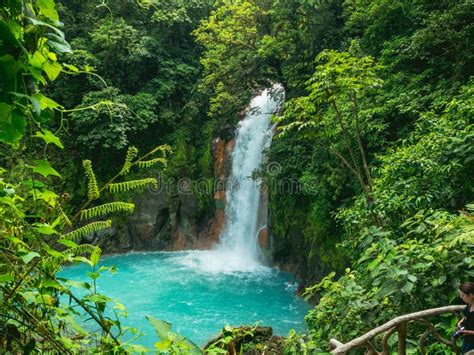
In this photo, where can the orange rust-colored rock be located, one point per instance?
(229, 147)
(219, 157)
(222, 151)
(179, 241)
(263, 238)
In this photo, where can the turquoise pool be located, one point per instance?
(198, 301)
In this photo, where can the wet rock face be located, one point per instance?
(172, 220)
(290, 253)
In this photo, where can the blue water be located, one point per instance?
(198, 301)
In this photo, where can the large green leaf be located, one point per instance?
(7, 34)
(13, 128)
(5, 112)
(37, 22)
(42, 167)
(45, 229)
(46, 102)
(29, 256)
(34, 102)
(37, 59)
(162, 328)
(52, 70)
(50, 197)
(6, 278)
(48, 9)
(49, 137)
(58, 43)
(191, 348)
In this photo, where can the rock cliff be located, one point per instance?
(171, 218)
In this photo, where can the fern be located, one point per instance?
(83, 249)
(92, 189)
(87, 229)
(64, 219)
(150, 163)
(132, 153)
(107, 208)
(132, 185)
(164, 149)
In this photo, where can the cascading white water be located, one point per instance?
(254, 134)
(238, 248)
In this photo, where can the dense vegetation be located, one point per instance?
(380, 118)
(377, 131)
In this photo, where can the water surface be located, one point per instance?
(198, 301)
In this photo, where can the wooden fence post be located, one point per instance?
(402, 338)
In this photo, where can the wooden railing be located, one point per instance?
(398, 325)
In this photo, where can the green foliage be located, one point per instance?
(152, 162)
(107, 208)
(228, 339)
(92, 187)
(413, 178)
(230, 36)
(28, 57)
(132, 153)
(301, 344)
(172, 343)
(132, 184)
(390, 277)
(338, 109)
(41, 239)
(37, 235)
(378, 143)
(90, 228)
(429, 169)
(114, 119)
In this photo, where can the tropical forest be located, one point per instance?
(236, 177)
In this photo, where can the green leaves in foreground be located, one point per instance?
(132, 185)
(90, 228)
(107, 208)
(39, 244)
(170, 341)
(48, 137)
(42, 167)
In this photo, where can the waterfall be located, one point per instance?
(254, 134)
(238, 249)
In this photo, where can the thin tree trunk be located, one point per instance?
(351, 168)
(359, 143)
(345, 134)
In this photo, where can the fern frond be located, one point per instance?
(65, 221)
(92, 188)
(150, 163)
(82, 249)
(163, 149)
(132, 185)
(132, 153)
(87, 229)
(107, 208)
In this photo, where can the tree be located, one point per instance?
(232, 65)
(337, 109)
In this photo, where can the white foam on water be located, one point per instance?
(220, 262)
